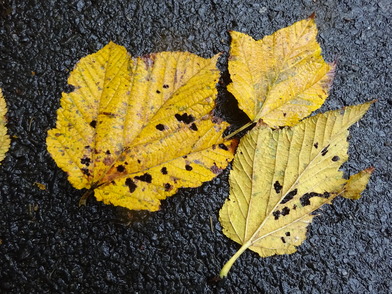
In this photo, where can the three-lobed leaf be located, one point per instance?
(281, 78)
(280, 177)
(137, 129)
(4, 138)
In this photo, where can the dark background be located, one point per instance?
(49, 245)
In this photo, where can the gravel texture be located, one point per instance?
(49, 245)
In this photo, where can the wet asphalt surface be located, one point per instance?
(50, 245)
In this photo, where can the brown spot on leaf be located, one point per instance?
(164, 170)
(284, 114)
(158, 92)
(86, 161)
(188, 167)
(145, 178)
(287, 234)
(120, 168)
(315, 145)
(278, 187)
(107, 152)
(276, 214)
(85, 171)
(166, 86)
(131, 185)
(216, 170)
(283, 239)
(335, 158)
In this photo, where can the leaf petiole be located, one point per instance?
(245, 126)
(226, 268)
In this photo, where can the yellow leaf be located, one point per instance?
(280, 177)
(135, 130)
(281, 78)
(4, 138)
(357, 183)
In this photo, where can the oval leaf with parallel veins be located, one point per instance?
(135, 130)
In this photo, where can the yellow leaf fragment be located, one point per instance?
(281, 78)
(357, 183)
(4, 138)
(280, 177)
(137, 129)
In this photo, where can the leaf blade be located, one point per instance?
(281, 78)
(4, 138)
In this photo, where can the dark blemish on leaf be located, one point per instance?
(109, 114)
(145, 178)
(216, 170)
(120, 168)
(294, 206)
(276, 214)
(87, 147)
(289, 196)
(93, 123)
(335, 158)
(138, 161)
(158, 92)
(113, 182)
(131, 185)
(315, 145)
(86, 161)
(86, 171)
(326, 195)
(188, 167)
(284, 114)
(285, 211)
(287, 234)
(278, 187)
(223, 146)
(107, 152)
(57, 134)
(160, 127)
(164, 170)
(325, 150)
(165, 86)
(185, 157)
(283, 239)
(168, 187)
(126, 163)
(193, 127)
(185, 118)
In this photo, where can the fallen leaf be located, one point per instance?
(280, 177)
(4, 138)
(135, 130)
(281, 78)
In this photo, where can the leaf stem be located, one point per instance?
(248, 124)
(226, 268)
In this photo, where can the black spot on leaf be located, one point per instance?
(188, 167)
(185, 118)
(145, 178)
(284, 114)
(276, 214)
(287, 234)
(315, 145)
(223, 146)
(85, 171)
(325, 150)
(86, 161)
(289, 196)
(166, 86)
(278, 187)
(158, 92)
(193, 127)
(283, 239)
(93, 123)
(168, 187)
(335, 158)
(107, 152)
(138, 161)
(285, 211)
(164, 170)
(131, 185)
(120, 168)
(160, 127)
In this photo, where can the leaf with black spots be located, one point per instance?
(135, 130)
(279, 179)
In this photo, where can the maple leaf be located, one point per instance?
(135, 130)
(280, 177)
(4, 138)
(281, 78)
